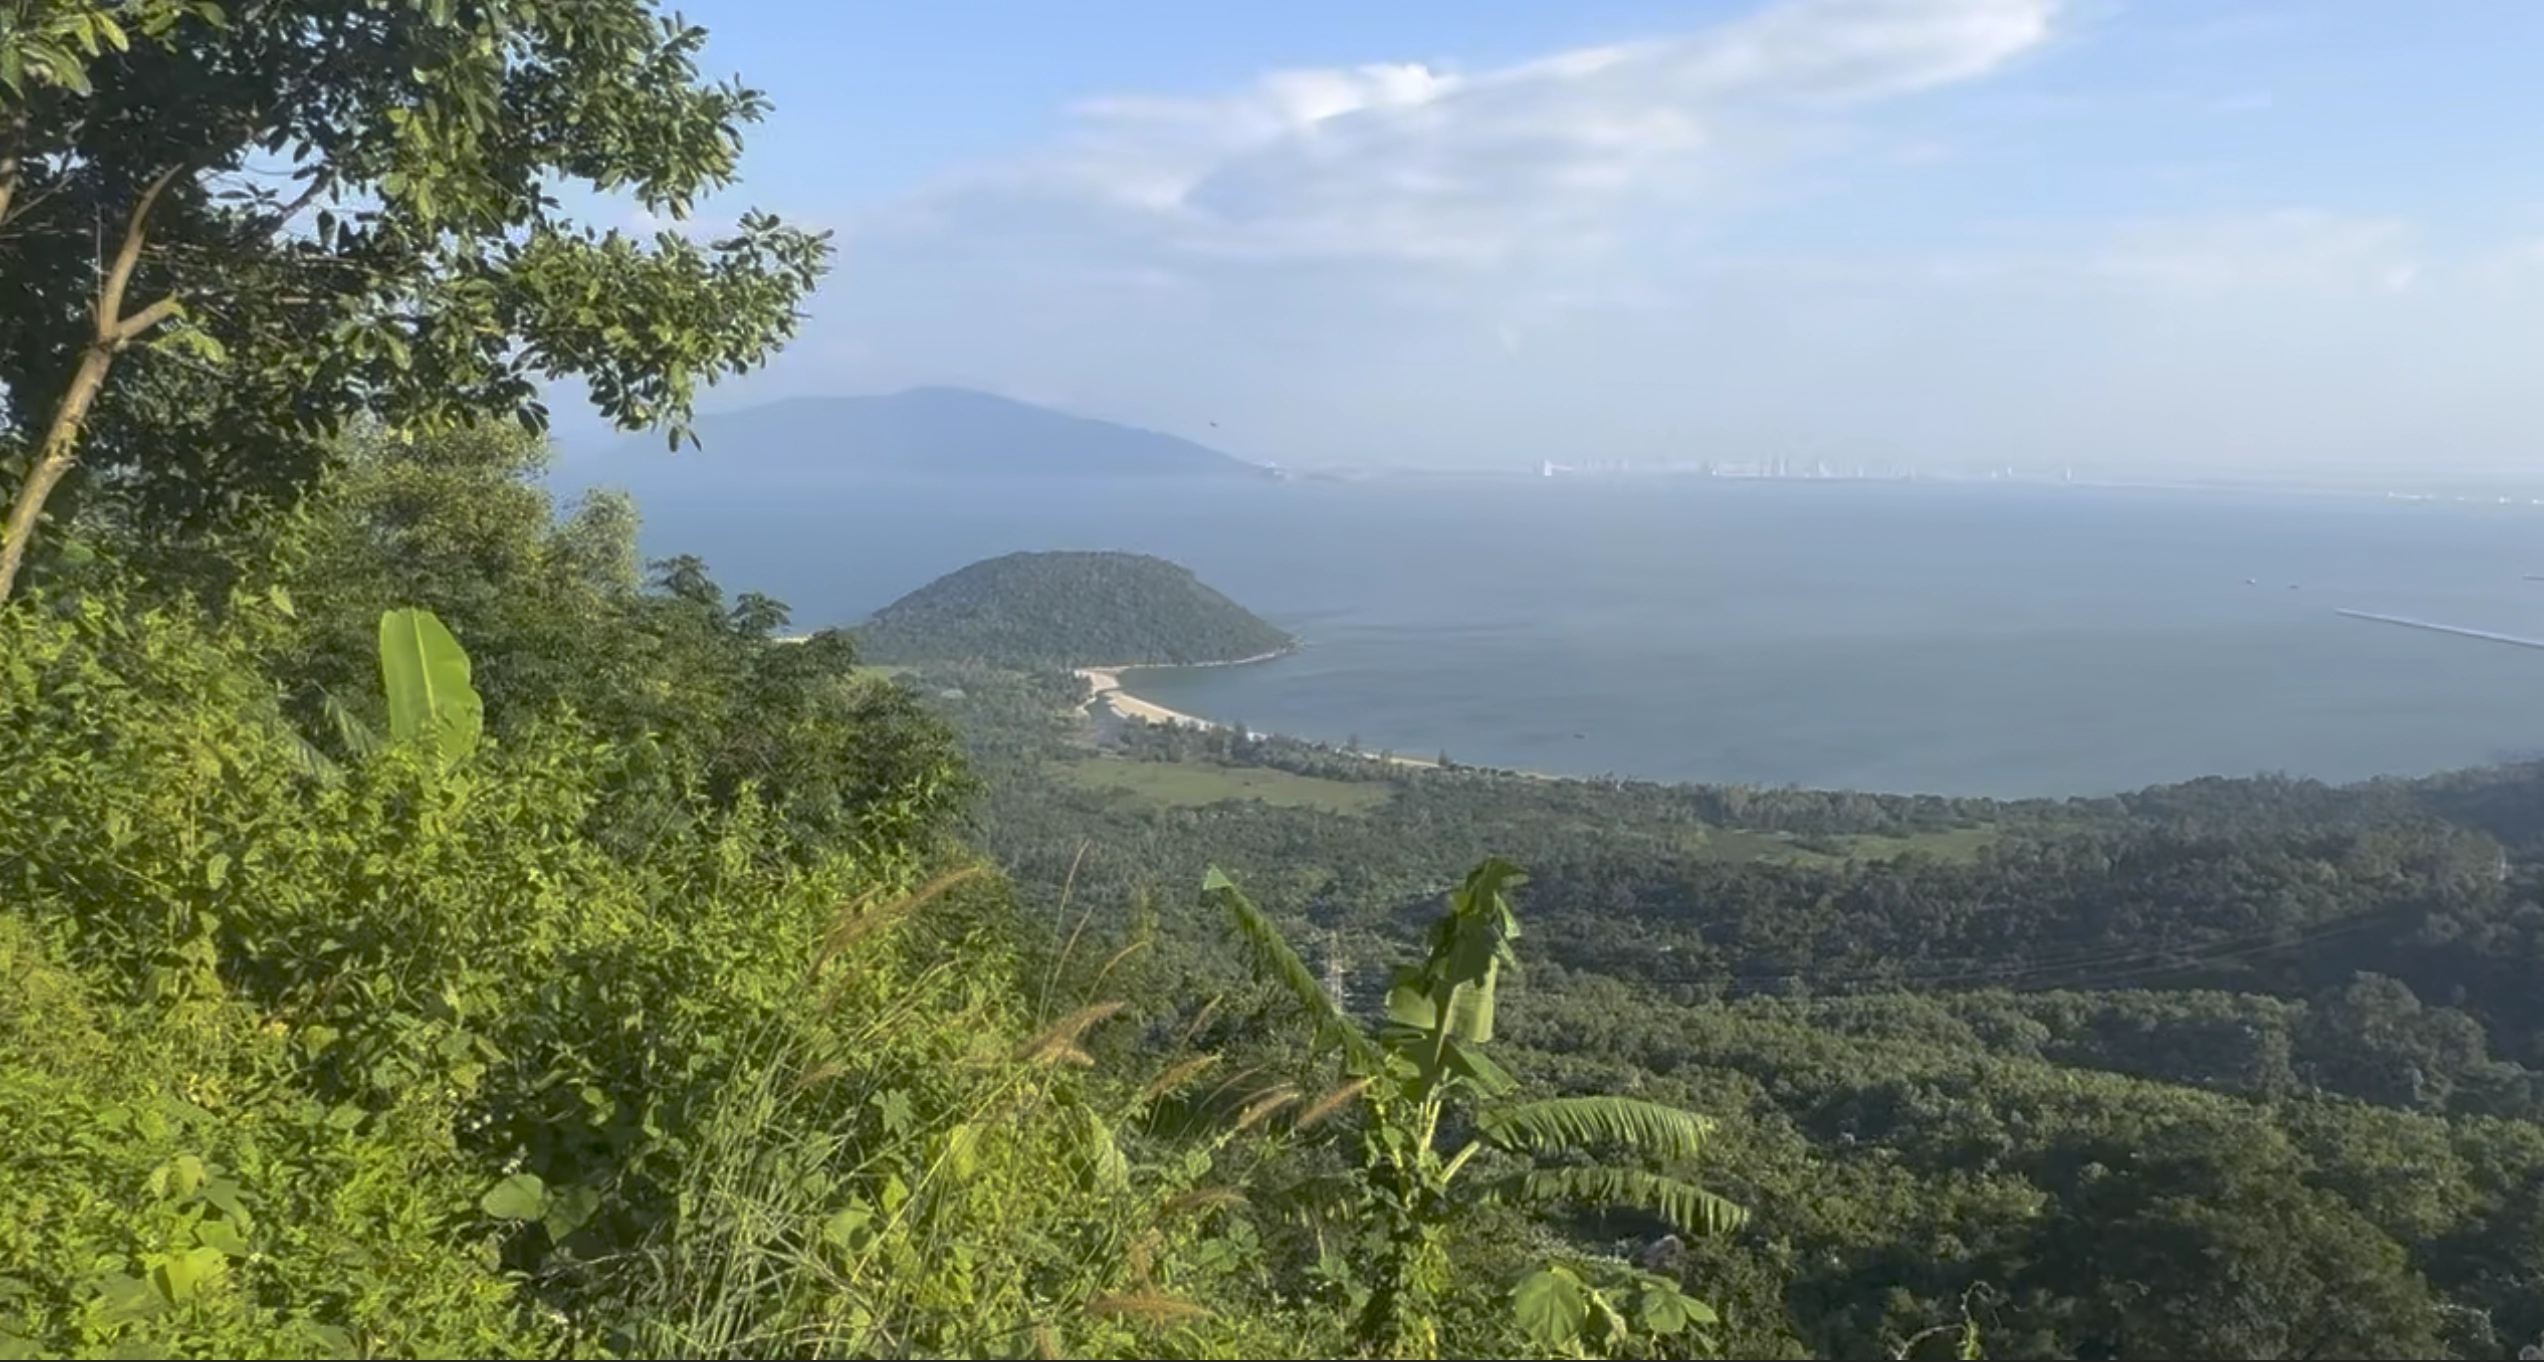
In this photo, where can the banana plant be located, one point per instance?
(424, 676)
(1425, 1071)
(425, 672)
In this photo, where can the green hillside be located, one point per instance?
(1068, 609)
(427, 932)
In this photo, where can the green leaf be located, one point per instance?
(1273, 954)
(425, 673)
(1490, 1078)
(128, 1297)
(223, 1194)
(186, 1175)
(569, 1208)
(1685, 1205)
(1473, 945)
(519, 1197)
(845, 1228)
(1550, 1305)
(222, 1235)
(1667, 1310)
(1407, 1005)
(350, 730)
(332, 1341)
(184, 1275)
(1648, 1128)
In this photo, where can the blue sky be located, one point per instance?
(2135, 235)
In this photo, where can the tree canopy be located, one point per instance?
(228, 227)
(1069, 608)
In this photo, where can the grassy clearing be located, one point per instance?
(1193, 784)
(1951, 844)
(1734, 844)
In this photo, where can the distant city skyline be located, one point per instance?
(2173, 237)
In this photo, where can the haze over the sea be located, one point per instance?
(1967, 639)
(2179, 242)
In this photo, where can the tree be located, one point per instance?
(683, 680)
(415, 266)
(1424, 1077)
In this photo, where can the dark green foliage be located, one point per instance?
(2312, 1005)
(1070, 609)
(178, 335)
(1421, 1101)
(426, 931)
(693, 693)
(423, 1068)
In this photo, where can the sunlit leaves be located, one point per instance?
(1551, 1307)
(521, 1196)
(414, 266)
(1603, 1121)
(425, 673)
(55, 42)
(1428, 1062)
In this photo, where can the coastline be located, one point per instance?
(1108, 701)
(1106, 698)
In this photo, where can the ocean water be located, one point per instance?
(1981, 639)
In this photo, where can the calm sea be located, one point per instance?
(1960, 639)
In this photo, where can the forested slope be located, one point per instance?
(428, 930)
(1068, 609)
(2232, 1068)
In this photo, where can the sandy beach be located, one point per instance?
(1107, 702)
(1107, 699)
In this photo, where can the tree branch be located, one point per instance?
(13, 135)
(319, 184)
(58, 453)
(113, 331)
(132, 326)
(110, 297)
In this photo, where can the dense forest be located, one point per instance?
(1068, 609)
(428, 929)
(2231, 1068)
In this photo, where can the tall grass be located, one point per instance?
(903, 1168)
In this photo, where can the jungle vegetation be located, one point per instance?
(428, 929)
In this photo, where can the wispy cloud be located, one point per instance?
(1408, 163)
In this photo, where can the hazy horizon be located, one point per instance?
(2145, 238)
(591, 458)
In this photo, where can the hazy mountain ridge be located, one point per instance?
(1068, 608)
(924, 433)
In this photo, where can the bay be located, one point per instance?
(1983, 639)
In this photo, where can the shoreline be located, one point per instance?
(1106, 699)
(1105, 693)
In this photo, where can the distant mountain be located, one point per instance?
(936, 433)
(1069, 609)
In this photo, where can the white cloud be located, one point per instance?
(1740, 238)
(1410, 163)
